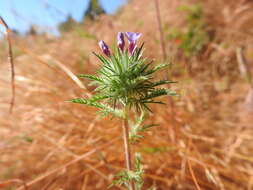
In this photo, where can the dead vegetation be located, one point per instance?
(203, 142)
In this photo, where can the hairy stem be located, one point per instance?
(127, 145)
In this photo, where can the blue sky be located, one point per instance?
(20, 14)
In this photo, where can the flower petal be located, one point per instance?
(132, 36)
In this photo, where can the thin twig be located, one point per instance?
(11, 60)
(193, 175)
(50, 183)
(244, 65)
(158, 17)
(190, 166)
(67, 71)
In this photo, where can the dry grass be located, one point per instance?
(200, 144)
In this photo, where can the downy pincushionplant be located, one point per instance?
(125, 85)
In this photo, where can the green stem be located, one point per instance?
(127, 145)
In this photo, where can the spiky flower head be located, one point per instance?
(125, 80)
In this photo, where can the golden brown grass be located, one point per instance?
(50, 144)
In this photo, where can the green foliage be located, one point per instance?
(153, 150)
(124, 177)
(94, 9)
(28, 139)
(84, 34)
(67, 25)
(138, 127)
(104, 108)
(194, 36)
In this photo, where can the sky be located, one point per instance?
(21, 14)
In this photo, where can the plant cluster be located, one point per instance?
(194, 36)
(125, 86)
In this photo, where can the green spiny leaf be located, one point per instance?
(156, 68)
(91, 77)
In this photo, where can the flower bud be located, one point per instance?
(121, 41)
(104, 48)
(131, 48)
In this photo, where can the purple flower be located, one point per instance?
(121, 41)
(104, 48)
(132, 38)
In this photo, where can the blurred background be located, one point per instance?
(204, 139)
(46, 15)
